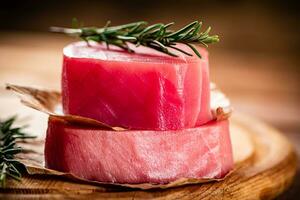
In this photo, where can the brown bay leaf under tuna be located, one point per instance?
(242, 144)
(49, 102)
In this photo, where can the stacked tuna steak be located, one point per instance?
(162, 101)
(144, 90)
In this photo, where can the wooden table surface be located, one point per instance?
(264, 85)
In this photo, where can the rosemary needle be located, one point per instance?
(9, 135)
(157, 36)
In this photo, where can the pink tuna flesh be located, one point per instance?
(141, 90)
(139, 156)
(205, 114)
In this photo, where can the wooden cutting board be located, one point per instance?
(264, 175)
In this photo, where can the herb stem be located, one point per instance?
(157, 36)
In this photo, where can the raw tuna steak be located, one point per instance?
(141, 90)
(139, 156)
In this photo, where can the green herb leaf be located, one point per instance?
(9, 167)
(156, 36)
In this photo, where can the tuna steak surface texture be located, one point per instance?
(145, 90)
(139, 156)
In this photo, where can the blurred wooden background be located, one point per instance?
(256, 63)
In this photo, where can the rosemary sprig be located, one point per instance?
(9, 135)
(156, 36)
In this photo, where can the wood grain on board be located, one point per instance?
(264, 175)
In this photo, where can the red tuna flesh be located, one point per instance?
(141, 90)
(139, 156)
(205, 114)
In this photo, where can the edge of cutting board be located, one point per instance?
(265, 175)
